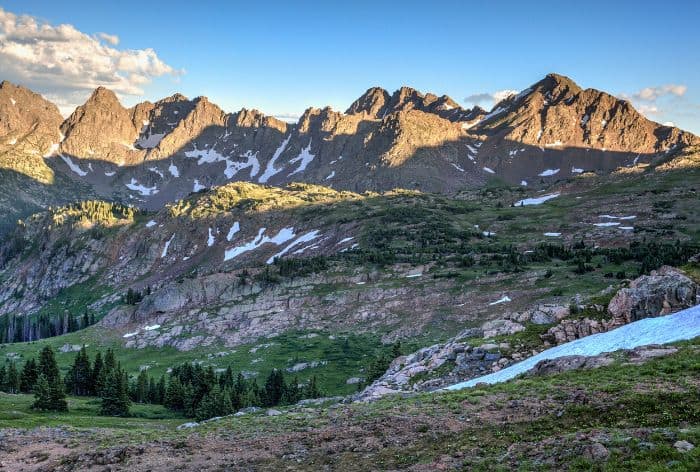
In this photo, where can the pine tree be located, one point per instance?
(115, 395)
(3, 375)
(29, 376)
(274, 388)
(42, 394)
(97, 375)
(141, 388)
(174, 398)
(210, 406)
(291, 393)
(12, 383)
(79, 378)
(48, 365)
(311, 390)
(161, 390)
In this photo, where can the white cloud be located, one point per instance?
(288, 117)
(503, 94)
(489, 97)
(112, 39)
(66, 64)
(650, 94)
(646, 109)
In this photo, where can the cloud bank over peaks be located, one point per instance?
(66, 64)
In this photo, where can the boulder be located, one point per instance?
(664, 291)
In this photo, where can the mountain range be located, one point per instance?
(154, 153)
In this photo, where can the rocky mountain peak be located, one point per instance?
(100, 129)
(29, 129)
(372, 102)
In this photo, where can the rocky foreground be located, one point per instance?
(625, 415)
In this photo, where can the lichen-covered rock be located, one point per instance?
(664, 291)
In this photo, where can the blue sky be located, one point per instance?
(281, 57)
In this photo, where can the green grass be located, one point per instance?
(16, 412)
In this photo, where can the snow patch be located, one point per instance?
(523, 183)
(552, 235)
(143, 190)
(609, 223)
(210, 239)
(304, 238)
(110, 174)
(130, 335)
(151, 327)
(548, 172)
(536, 200)
(284, 235)
(457, 167)
(331, 175)
(612, 217)
(345, 240)
(151, 224)
(503, 299)
(661, 330)
(73, 166)
(489, 170)
(270, 169)
(576, 170)
(167, 245)
(236, 227)
(150, 141)
(304, 158)
(172, 168)
(197, 186)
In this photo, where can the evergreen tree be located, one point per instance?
(291, 393)
(29, 376)
(12, 383)
(274, 388)
(48, 365)
(115, 395)
(311, 390)
(189, 400)
(49, 369)
(211, 405)
(174, 395)
(141, 388)
(79, 379)
(42, 394)
(3, 375)
(161, 390)
(97, 375)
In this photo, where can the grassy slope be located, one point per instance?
(637, 412)
(420, 228)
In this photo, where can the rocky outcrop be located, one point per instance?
(470, 354)
(101, 129)
(664, 291)
(638, 355)
(29, 129)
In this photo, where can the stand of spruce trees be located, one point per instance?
(195, 391)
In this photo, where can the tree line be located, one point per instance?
(190, 389)
(19, 329)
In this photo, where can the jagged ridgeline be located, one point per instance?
(160, 152)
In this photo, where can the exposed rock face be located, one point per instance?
(557, 125)
(637, 355)
(159, 152)
(664, 291)
(570, 330)
(29, 127)
(101, 129)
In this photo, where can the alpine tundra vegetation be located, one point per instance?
(414, 283)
